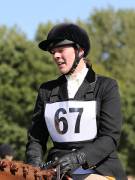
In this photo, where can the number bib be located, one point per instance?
(71, 121)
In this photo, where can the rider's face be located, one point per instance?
(64, 58)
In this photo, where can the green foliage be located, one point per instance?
(114, 48)
(15, 135)
(23, 67)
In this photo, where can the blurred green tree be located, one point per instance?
(114, 48)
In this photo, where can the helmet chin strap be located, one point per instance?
(76, 61)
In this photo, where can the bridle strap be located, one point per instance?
(58, 173)
(60, 176)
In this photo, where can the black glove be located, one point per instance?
(70, 161)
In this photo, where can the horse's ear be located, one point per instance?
(16, 170)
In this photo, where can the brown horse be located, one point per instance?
(15, 170)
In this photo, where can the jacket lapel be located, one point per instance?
(63, 94)
(87, 86)
(59, 92)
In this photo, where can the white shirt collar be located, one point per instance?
(73, 83)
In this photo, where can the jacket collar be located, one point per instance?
(87, 85)
(61, 90)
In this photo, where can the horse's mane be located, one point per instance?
(16, 170)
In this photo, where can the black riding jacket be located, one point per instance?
(101, 151)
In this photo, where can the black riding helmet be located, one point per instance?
(67, 34)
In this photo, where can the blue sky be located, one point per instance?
(27, 14)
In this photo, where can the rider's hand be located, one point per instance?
(70, 161)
